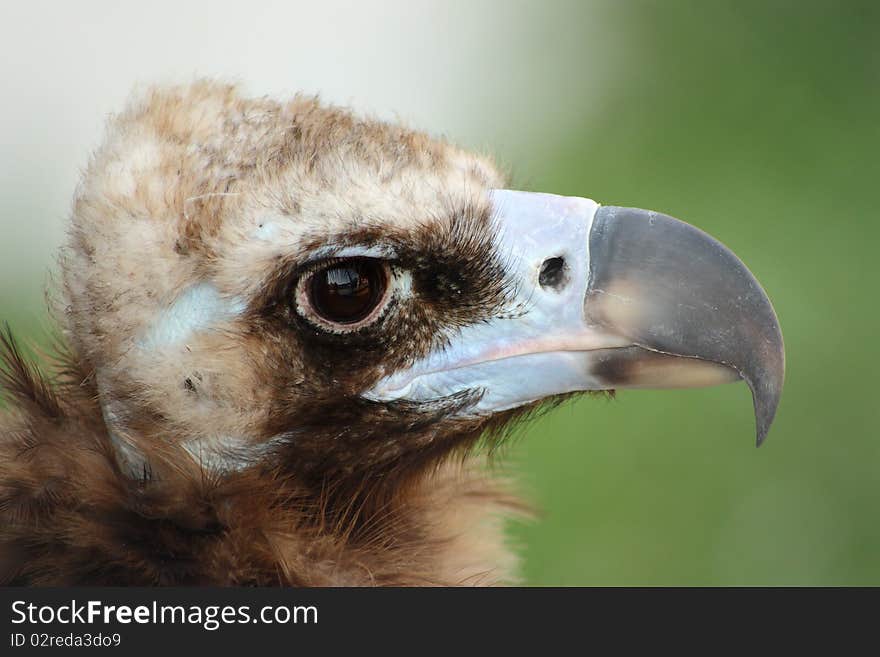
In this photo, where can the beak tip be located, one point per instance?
(766, 400)
(761, 436)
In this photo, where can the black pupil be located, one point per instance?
(346, 292)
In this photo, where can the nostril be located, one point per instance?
(552, 273)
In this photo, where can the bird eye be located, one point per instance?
(346, 294)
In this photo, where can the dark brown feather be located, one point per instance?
(69, 515)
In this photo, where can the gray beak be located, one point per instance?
(607, 297)
(675, 292)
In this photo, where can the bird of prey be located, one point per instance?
(290, 336)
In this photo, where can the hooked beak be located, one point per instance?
(607, 297)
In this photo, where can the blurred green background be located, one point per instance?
(760, 122)
(757, 121)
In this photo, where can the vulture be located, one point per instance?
(290, 337)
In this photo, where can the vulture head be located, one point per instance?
(287, 327)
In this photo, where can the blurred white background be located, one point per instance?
(483, 73)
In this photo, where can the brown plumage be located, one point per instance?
(242, 454)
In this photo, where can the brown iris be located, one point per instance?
(347, 291)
